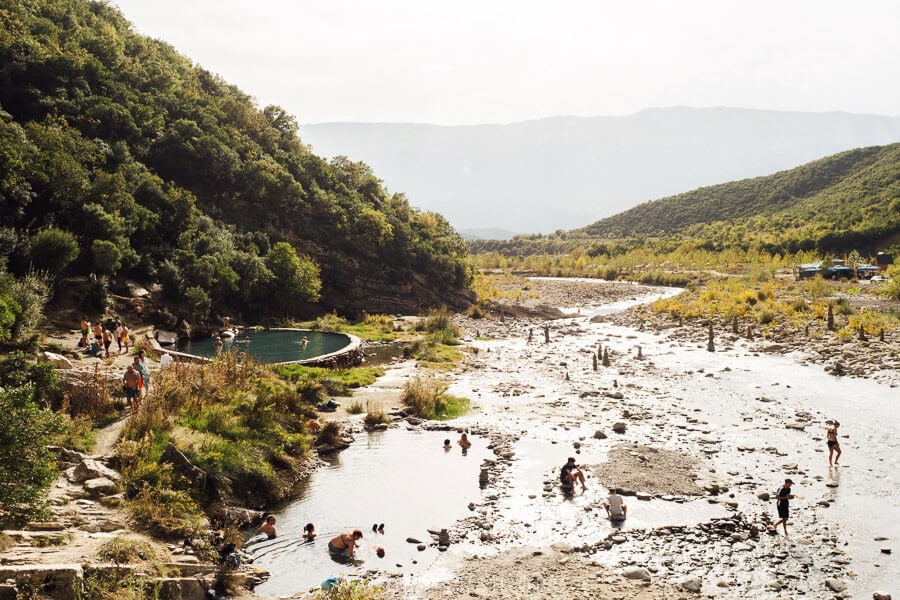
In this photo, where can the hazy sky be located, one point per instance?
(462, 61)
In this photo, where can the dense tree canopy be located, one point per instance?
(161, 171)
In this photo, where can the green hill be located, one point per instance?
(847, 201)
(120, 157)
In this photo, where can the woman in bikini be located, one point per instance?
(833, 445)
(345, 544)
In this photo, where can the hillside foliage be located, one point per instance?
(120, 157)
(833, 205)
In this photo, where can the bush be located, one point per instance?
(330, 322)
(329, 434)
(26, 466)
(357, 589)
(428, 399)
(17, 370)
(842, 307)
(765, 316)
(166, 511)
(375, 416)
(355, 408)
(124, 551)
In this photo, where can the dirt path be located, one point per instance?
(82, 517)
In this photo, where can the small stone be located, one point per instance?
(691, 584)
(619, 427)
(599, 435)
(835, 585)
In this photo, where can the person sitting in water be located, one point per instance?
(571, 473)
(447, 445)
(379, 551)
(345, 544)
(268, 527)
(304, 341)
(464, 442)
(309, 532)
(615, 506)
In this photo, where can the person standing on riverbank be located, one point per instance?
(85, 329)
(131, 383)
(833, 445)
(783, 498)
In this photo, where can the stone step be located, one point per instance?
(45, 526)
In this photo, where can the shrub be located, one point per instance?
(329, 434)
(438, 320)
(26, 466)
(842, 307)
(355, 408)
(428, 399)
(765, 316)
(166, 511)
(357, 589)
(16, 370)
(375, 416)
(475, 312)
(330, 322)
(124, 551)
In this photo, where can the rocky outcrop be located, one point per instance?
(182, 465)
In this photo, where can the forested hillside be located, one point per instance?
(846, 201)
(121, 158)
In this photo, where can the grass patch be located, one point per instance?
(6, 542)
(432, 352)
(355, 408)
(337, 382)
(375, 415)
(78, 433)
(168, 512)
(427, 398)
(355, 589)
(126, 551)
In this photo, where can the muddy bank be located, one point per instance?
(557, 572)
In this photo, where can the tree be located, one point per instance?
(296, 278)
(854, 260)
(107, 257)
(53, 250)
(27, 468)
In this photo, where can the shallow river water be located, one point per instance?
(703, 404)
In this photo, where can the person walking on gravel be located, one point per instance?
(834, 447)
(783, 498)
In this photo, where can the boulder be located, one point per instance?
(57, 581)
(93, 469)
(639, 573)
(691, 584)
(619, 427)
(184, 467)
(835, 585)
(101, 486)
(58, 360)
(166, 338)
(599, 435)
(881, 596)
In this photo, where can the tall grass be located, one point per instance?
(427, 398)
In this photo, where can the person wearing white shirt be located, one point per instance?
(615, 506)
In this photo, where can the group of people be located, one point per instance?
(463, 442)
(341, 547)
(615, 506)
(97, 336)
(136, 380)
(616, 509)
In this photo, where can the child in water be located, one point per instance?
(309, 532)
(447, 445)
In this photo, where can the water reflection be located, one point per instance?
(401, 482)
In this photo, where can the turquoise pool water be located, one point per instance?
(272, 346)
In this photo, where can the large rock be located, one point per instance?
(58, 360)
(881, 596)
(636, 573)
(835, 585)
(56, 581)
(182, 465)
(166, 338)
(100, 486)
(93, 469)
(691, 584)
(619, 427)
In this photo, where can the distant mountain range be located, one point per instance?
(566, 172)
